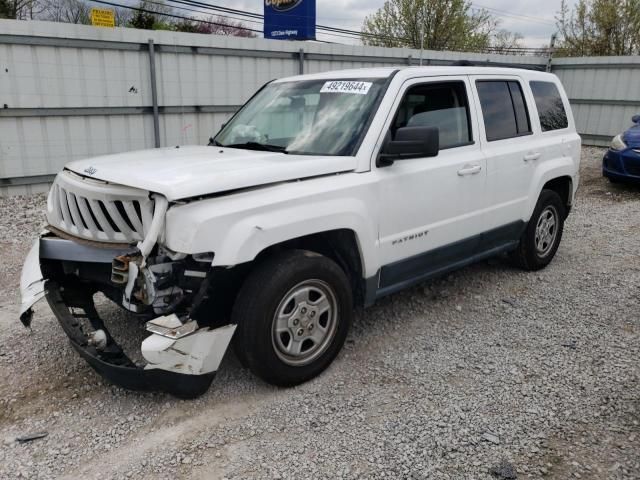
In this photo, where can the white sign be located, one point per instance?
(346, 86)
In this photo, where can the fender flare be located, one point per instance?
(547, 171)
(252, 235)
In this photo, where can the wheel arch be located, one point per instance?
(558, 175)
(340, 245)
(563, 186)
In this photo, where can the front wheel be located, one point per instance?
(541, 238)
(293, 315)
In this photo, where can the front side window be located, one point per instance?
(550, 107)
(503, 108)
(316, 117)
(443, 105)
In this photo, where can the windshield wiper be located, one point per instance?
(258, 146)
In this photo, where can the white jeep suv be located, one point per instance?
(323, 193)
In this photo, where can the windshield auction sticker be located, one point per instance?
(344, 86)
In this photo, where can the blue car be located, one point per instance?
(621, 163)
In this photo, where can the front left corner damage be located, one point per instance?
(197, 353)
(32, 285)
(114, 365)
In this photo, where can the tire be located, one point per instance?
(533, 252)
(293, 314)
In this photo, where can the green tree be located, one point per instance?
(442, 24)
(150, 16)
(599, 27)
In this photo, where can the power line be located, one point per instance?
(234, 18)
(336, 31)
(199, 4)
(514, 16)
(144, 10)
(209, 22)
(330, 31)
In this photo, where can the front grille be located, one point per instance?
(95, 210)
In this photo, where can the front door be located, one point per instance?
(431, 209)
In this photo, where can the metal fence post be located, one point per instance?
(301, 61)
(154, 93)
(409, 60)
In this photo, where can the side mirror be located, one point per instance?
(635, 119)
(410, 142)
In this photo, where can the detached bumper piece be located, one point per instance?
(108, 359)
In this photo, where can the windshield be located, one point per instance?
(316, 117)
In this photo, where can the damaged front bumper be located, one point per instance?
(181, 356)
(31, 284)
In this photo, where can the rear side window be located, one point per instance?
(550, 107)
(503, 108)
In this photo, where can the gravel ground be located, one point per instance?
(488, 373)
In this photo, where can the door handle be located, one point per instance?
(530, 157)
(469, 170)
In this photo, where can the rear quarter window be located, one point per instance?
(550, 107)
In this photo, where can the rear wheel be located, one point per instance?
(293, 315)
(541, 238)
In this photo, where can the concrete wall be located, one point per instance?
(73, 91)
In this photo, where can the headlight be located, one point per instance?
(617, 143)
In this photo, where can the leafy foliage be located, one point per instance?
(599, 27)
(442, 24)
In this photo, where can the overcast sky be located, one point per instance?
(533, 19)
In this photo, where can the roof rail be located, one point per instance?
(488, 63)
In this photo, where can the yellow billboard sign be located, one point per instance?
(102, 17)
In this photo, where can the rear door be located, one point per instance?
(506, 136)
(555, 137)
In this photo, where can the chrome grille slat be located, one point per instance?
(105, 226)
(99, 211)
(133, 217)
(147, 216)
(75, 213)
(117, 219)
(88, 218)
(55, 200)
(66, 214)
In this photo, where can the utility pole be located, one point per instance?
(421, 32)
(552, 45)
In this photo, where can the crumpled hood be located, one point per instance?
(632, 136)
(192, 171)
